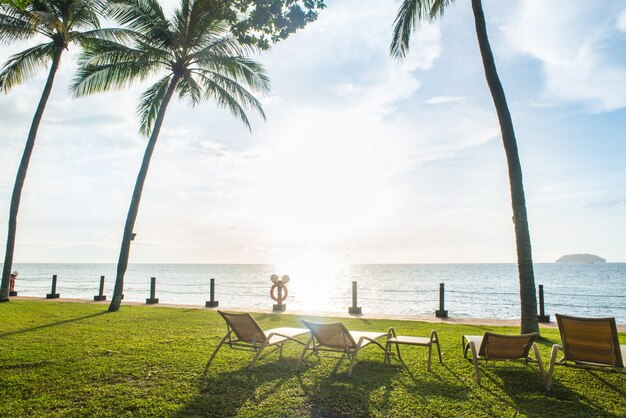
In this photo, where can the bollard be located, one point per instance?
(542, 313)
(152, 300)
(354, 310)
(441, 312)
(212, 303)
(53, 293)
(100, 296)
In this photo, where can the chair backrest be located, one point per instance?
(504, 347)
(334, 335)
(244, 326)
(590, 340)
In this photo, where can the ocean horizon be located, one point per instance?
(472, 290)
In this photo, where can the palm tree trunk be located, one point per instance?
(528, 296)
(21, 176)
(122, 263)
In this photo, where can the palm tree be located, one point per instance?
(411, 13)
(196, 57)
(60, 21)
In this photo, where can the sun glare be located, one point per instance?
(314, 279)
(323, 186)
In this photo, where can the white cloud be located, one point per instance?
(571, 41)
(621, 21)
(445, 99)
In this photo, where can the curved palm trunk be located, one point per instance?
(528, 296)
(21, 176)
(122, 263)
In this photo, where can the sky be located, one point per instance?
(362, 159)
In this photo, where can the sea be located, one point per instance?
(470, 290)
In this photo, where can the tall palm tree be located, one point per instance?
(61, 22)
(410, 15)
(196, 57)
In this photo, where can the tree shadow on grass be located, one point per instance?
(335, 394)
(223, 394)
(527, 392)
(53, 324)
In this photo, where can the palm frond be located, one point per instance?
(188, 87)
(106, 64)
(25, 64)
(410, 15)
(119, 35)
(144, 16)
(229, 94)
(14, 28)
(91, 79)
(238, 68)
(83, 14)
(406, 20)
(150, 104)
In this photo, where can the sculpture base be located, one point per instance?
(279, 308)
(53, 296)
(99, 298)
(211, 304)
(152, 301)
(354, 310)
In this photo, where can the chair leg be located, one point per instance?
(430, 352)
(434, 339)
(472, 346)
(439, 351)
(217, 349)
(553, 354)
(466, 346)
(306, 347)
(353, 360)
(539, 362)
(258, 353)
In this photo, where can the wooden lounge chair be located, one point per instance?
(590, 343)
(501, 347)
(245, 333)
(335, 337)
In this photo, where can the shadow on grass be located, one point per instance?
(527, 392)
(53, 324)
(277, 388)
(335, 394)
(224, 394)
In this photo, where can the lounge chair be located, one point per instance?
(244, 332)
(335, 337)
(590, 343)
(501, 347)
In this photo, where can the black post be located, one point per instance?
(542, 313)
(354, 309)
(53, 293)
(152, 300)
(100, 296)
(441, 312)
(212, 303)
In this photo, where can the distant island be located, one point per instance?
(581, 258)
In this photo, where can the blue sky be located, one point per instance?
(362, 159)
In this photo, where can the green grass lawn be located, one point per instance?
(73, 359)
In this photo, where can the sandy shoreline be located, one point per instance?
(422, 318)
